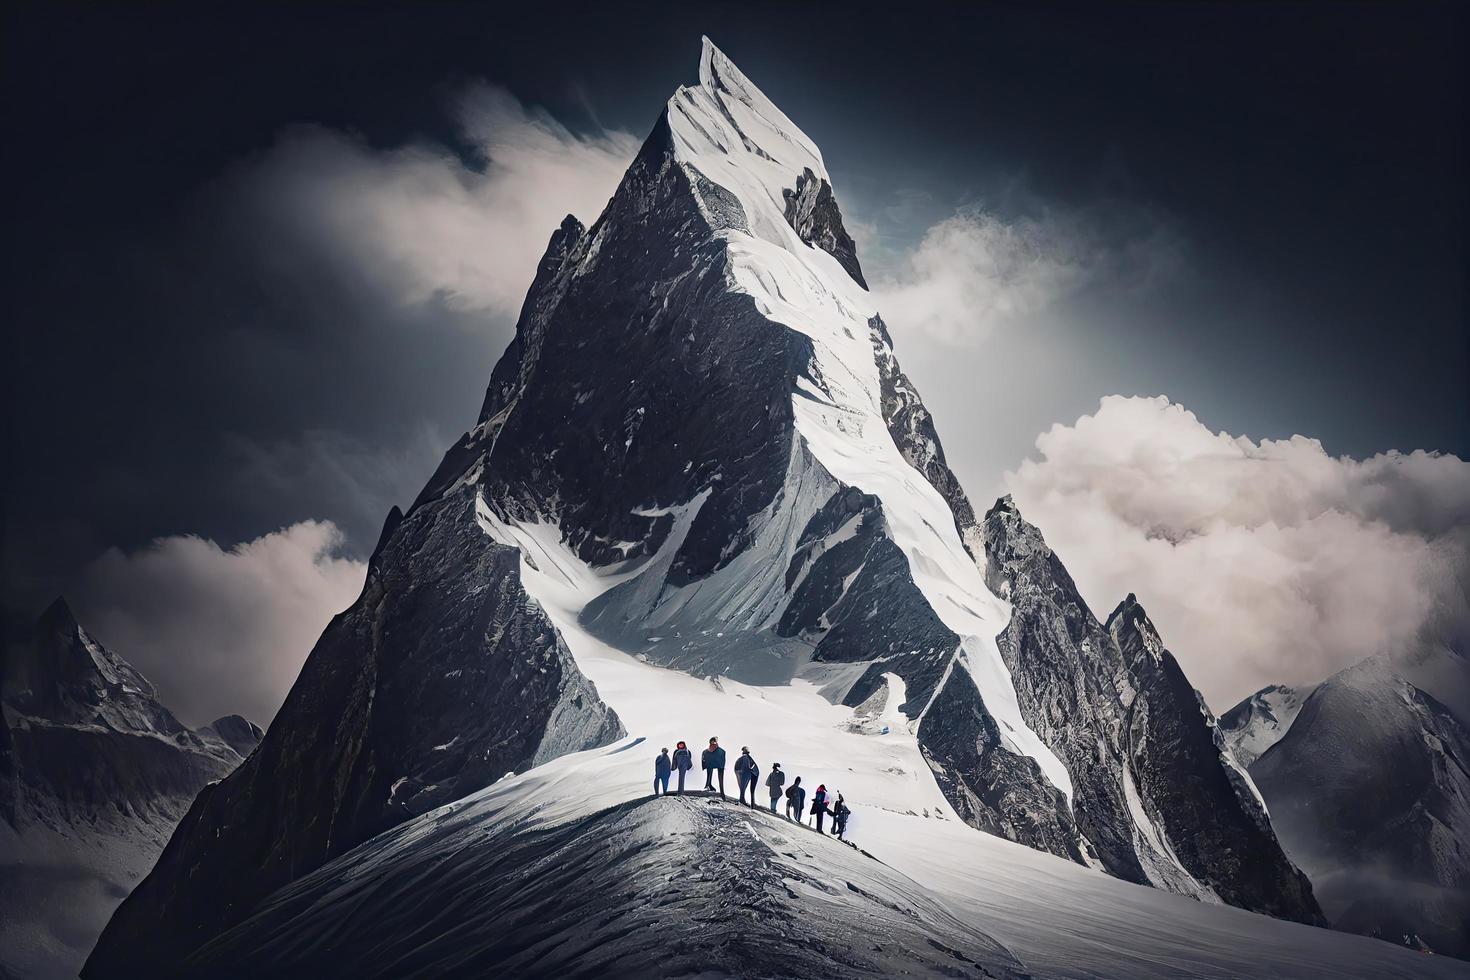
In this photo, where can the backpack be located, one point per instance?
(791, 794)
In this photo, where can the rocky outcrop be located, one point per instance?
(1370, 792)
(1155, 799)
(442, 677)
(1203, 806)
(812, 212)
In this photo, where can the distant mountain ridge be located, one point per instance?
(1369, 790)
(95, 773)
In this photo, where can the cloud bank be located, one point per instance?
(423, 222)
(220, 631)
(1261, 562)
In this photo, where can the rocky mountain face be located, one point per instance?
(1261, 720)
(442, 677)
(702, 403)
(1157, 797)
(1369, 790)
(94, 774)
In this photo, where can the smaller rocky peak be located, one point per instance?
(812, 212)
(1134, 634)
(1011, 545)
(64, 676)
(1260, 721)
(238, 733)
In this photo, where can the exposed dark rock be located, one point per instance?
(858, 602)
(812, 212)
(442, 677)
(912, 429)
(1114, 705)
(990, 787)
(1215, 825)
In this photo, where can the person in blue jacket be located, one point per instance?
(662, 766)
(683, 762)
(747, 774)
(796, 801)
(712, 760)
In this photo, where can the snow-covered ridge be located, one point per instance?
(734, 136)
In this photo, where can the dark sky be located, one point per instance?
(1307, 160)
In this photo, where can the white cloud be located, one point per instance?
(975, 272)
(220, 631)
(1260, 562)
(418, 222)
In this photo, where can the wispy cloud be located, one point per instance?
(420, 222)
(976, 272)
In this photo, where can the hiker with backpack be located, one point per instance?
(840, 813)
(747, 774)
(662, 766)
(774, 782)
(819, 806)
(795, 801)
(712, 760)
(683, 762)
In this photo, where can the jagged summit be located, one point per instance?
(721, 77)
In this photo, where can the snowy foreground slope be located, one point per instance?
(699, 459)
(571, 868)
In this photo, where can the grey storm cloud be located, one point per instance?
(220, 630)
(976, 272)
(1261, 562)
(421, 222)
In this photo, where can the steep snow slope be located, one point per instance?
(676, 886)
(94, 776)
(1261, 720)
(1370, 793)
(481, 884)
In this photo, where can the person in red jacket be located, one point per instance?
(819, 806)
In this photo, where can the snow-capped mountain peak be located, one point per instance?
(702, 489)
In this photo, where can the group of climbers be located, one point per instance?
(747, 776)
